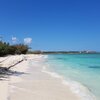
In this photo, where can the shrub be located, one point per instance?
(6, 48)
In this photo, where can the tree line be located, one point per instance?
(7, 49)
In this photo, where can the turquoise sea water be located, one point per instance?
(81, 68)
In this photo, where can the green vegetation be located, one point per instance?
(7, 49)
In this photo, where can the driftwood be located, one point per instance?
(15, 64)
(4, 70)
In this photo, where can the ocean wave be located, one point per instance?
(76, 87)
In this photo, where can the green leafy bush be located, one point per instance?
(6, 49)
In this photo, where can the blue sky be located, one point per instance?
(52, 24)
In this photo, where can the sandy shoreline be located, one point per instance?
(30, 82)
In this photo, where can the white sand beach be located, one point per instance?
(31, 83)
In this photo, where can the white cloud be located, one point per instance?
(27, 40)
(14, 39)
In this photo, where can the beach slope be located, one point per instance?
(30, 82)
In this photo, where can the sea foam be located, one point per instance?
(79, 89)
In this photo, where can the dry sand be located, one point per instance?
(31, 83)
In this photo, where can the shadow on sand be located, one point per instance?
(5, 73)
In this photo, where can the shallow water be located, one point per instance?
(82, 68)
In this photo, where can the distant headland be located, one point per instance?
(63, 52)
